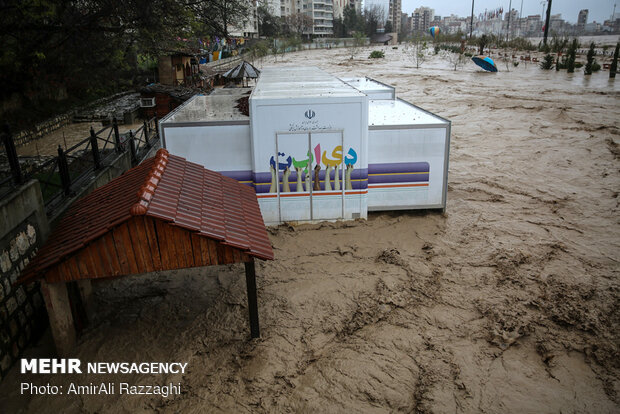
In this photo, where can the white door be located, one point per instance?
(328, 191)
(293, 166)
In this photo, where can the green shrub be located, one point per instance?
(520, 43)
(547, 62)
(375, 54)
(590, 61)
(570, 59)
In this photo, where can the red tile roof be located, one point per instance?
(168, 188)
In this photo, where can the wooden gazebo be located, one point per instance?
(167, 213)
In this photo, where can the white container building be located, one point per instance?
(316, 147)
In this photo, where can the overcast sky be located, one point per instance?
(600, 10)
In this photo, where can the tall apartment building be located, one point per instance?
(287, 7)
(249, 27)
(533, 23)
(422, 18)
(322, 14)
(394, 15)
(582, 19)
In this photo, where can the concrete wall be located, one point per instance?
(165, 70)
(23, 229)
(43, 129)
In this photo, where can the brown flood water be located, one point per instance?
(508, 302)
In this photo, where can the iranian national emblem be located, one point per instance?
(309, 114)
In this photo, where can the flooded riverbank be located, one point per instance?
(507, 302)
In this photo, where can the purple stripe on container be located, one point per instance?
(397, 178)
(238, 175)
(399, 167)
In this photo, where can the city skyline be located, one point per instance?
(599, 10)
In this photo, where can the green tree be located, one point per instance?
(268, 23)
(218, 17)
(482, 42)
(358, 43)
(258, 50)
(572, 52)
(339, 29)
(547, 62)
(353, 21)
(590, 61)
(55, 49)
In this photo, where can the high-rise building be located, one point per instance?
(395, 12)
(582, 19)
(322, 13)
(422, 18)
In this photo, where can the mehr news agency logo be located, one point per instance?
(74, 366)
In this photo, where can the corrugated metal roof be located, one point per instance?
(168, 188)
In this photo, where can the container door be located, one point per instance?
(327, 174)
(293, 165)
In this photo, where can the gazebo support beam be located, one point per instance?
(86, 293)
(61, 319)
(250, 280)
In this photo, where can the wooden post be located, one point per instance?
(146, 135)
(132, 148)
(86, 293)
(94, 147)
(59, 313)
(117, 136)
(250, 280)
(63, 171)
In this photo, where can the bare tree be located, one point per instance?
(417, 51)
(374, 15)
(299, 23)
(358, 43)
(219, 16)
(456, 60)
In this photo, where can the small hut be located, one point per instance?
(165, 214)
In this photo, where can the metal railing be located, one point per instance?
(74, 167)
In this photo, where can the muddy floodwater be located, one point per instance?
(507, 302)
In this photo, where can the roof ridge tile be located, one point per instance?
(145, 193)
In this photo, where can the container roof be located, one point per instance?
(220, 105)
(368, 85)
(300, 82)
(167, 188)
(387, 112)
